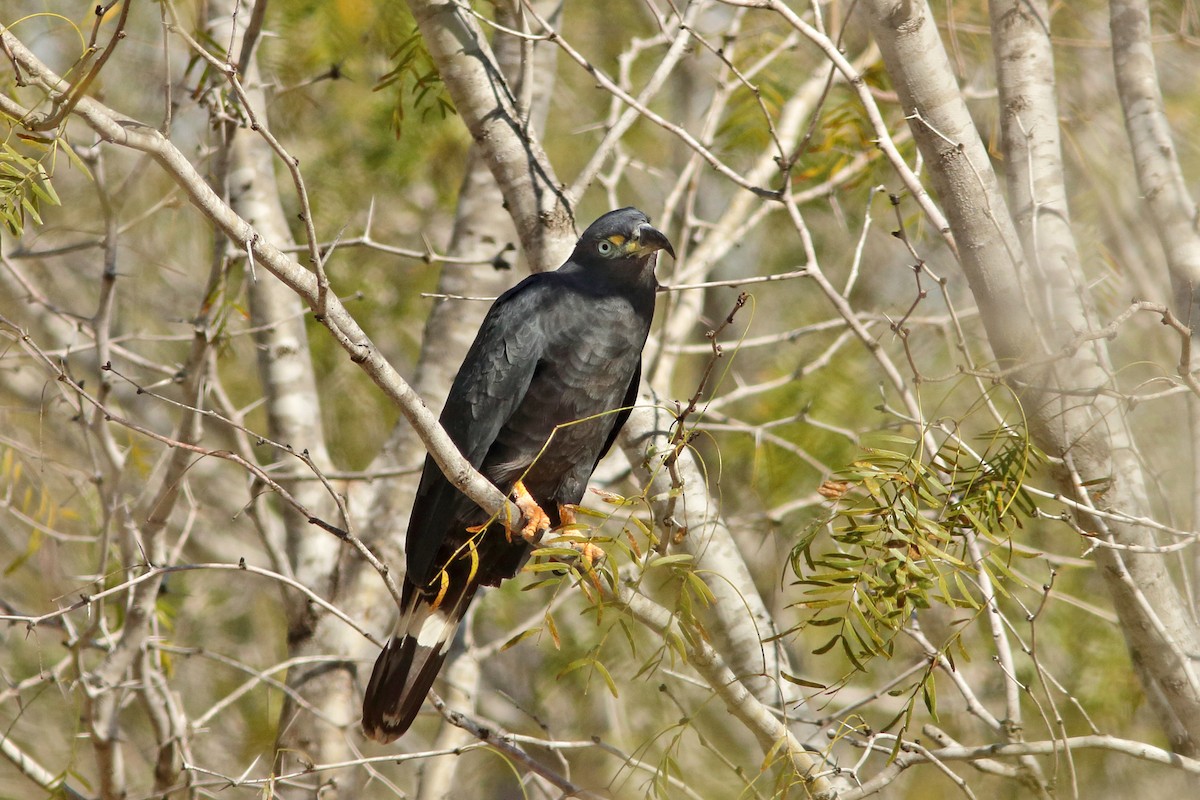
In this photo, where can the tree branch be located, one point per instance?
(1093, 436)
(115, 129)
(543, 214)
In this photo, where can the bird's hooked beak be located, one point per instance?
(648, 239)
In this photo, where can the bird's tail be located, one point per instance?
(407, 667)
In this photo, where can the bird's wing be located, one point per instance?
(490, 384)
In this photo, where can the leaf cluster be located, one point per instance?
(898, 538)
(25, 186)
(31, 503)
(417, 82)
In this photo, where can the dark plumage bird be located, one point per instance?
(538, 401)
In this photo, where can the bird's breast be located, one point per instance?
(577, 388)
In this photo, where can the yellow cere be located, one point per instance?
(617, 239)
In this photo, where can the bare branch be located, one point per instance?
(346, 331)
(540, 210)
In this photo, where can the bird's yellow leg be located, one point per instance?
(536, 520)
(537, 523)
(589, 553)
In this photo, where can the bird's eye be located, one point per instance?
(604, 247)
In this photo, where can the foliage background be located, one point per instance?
(794, 405)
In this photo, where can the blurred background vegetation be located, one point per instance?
(796, 402)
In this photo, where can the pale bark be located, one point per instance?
(327, 307)
(1033, 164)
(534, 199)
(959, 169)
(293, 419)
(141, 525)
(742, 620)
(1160, 177)
(1164, 189)
(440, 779)
(1092, 439)
(773, 735)
(1037, 193)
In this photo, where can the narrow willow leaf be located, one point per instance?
(801, 682)
(825, 648)
(520, 637)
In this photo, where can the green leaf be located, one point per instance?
(849, 651)
(608, 679)
(825, 648)
(700, 588)
(520, 637)
(672, 560)
(31, 549)
(802, 682)
(929, 694)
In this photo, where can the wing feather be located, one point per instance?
(490, 385)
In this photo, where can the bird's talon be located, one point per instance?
(586, 552)
(590, 553)
(536, 528)
(567, 515)
(537, 523)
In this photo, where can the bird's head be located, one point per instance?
(624, 235)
